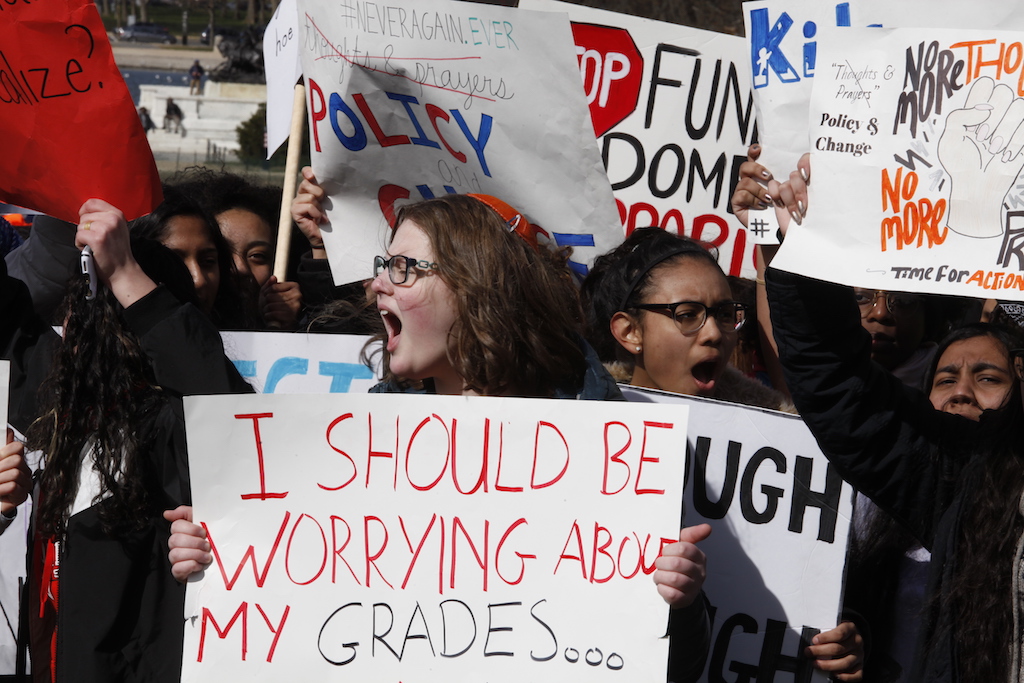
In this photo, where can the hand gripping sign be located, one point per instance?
(431, 538)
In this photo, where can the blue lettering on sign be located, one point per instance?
(246, 368)
(357, 140)
(282, 367)
(406, 101)
(480, 141)
(766, 45)
(568, 239)
(342, 374)
(766, 48)
(427, 193)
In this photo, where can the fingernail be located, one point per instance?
(803, 209)
(755, 147)
(762, 205)
(983, 131)
(768, 198)
(795, 216)
(803, 174)
(983, 106)
(766, 175)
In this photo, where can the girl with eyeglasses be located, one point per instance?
(472, 304)
(659, 310)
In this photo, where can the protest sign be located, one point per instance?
(71, 131)
(920, 130)
(283, 68)
(781, 517)
(423, 538)
(411, 100)
(290, 363)
(673, 110)
(785, 42)
(12, 556)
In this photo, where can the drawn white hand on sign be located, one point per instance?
(980, 149)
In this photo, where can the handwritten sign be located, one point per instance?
(921, 131)
(70, 129)
(290, 363)
(781, 517)
(673, 110)
(411, 100)
(423, 538)
(283, 68)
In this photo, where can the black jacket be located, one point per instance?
(886, 439)
(120, 614)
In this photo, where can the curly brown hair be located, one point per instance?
(518, 319)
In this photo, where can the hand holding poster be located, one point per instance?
(781, 517)
(423, 538)
(921, 130)
(71, 131)
(412, 100)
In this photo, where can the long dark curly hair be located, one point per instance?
(518, 320)
(101, 394)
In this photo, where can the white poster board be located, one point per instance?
(425, 538)
(412, 100)
(673, 110)
(928, 149)
(291, 363)
(283, 68)
(780, 515)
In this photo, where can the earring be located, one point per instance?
(638, 349)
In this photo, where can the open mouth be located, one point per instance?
(393, 327)
(704, 375)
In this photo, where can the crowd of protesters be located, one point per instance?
(913, 397)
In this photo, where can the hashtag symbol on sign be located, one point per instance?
(759, 227)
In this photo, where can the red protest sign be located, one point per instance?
(71, 131)
(612, 68)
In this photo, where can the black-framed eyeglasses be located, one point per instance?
(1018, 362)
(399, 266)
(691, 315)
(896, 302)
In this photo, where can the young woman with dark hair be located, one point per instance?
(972, 371)
(182, 224)
(111, 431)
(954, 483)
(660, 312)
(247, 214)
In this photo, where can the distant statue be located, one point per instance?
(243, 58)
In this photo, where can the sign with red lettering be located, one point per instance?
(674, 161)
(781, 518)
(423, 538)
(71, 131)
(611, 66)
(412, 100)
(922, 130)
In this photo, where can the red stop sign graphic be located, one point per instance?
(611, 66)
